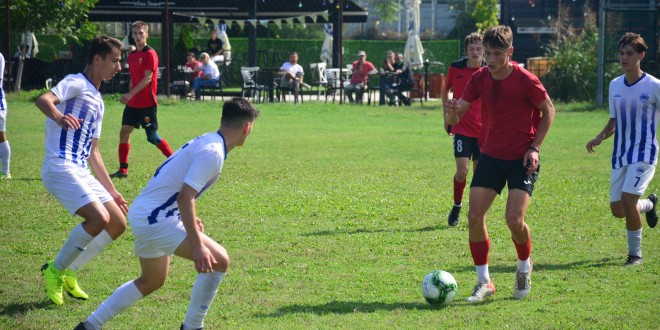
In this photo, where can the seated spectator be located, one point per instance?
(292, 75)
(388, 67)
(210, 76)
(192, 70)
(360, 78)
(405, 78)
(214, 47)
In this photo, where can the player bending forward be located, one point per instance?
(634, 115)
(75, 114)
(164, 221)
(516, 114)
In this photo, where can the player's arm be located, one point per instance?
(547, 117)
(148, 74)
(607, 131)
(454, 110)
(47, 102)
(97, 165)
(202, 256)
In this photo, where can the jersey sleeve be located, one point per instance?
(206, 165)
(471, 91)
(68, 88)
(536, 92)
(450, 78)
(151, 62)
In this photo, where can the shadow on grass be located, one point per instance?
(370, 231)
(22, 308)
(605, 262)
(348, 307)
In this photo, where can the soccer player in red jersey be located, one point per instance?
(466, 131)
(141, 102)
(517, 114)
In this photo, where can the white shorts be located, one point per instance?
(74, 186)
(632, 179)
(3, 120)
(157, 240)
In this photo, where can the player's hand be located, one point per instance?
(451, 108)
(200, 225)
(69, 121)
(594, 142)
(125, 98)
(531, 161)
(121, 202)
(203, 259)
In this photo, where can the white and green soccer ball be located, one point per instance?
(439, 287)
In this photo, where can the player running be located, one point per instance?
(75, 109)
(634, 98)
(466, 131)
(164, 220)
(141, 101)
(517, 115)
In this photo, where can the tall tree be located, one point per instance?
(65, 18)
(387, 10)
(486, 14)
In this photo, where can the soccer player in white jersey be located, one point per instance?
(164, 220)
(634, 102)
(5, 150)
(74, 108)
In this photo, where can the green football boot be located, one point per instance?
(54, 282)
(71, 285)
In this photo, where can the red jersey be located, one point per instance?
(457, 78)
(138, 62)
(362, 76)
(509, 111)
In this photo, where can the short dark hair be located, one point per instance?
(471, 38)
(499, 37)
(103, 45)
(238, 111)
(190, 54)
(140, 24)
(634, 40)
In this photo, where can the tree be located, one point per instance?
(65, 18)
(387, 10)
(485, 14)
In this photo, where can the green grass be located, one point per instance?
(332, 216)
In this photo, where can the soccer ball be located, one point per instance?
(439, 287)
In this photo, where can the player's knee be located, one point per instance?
(222, 261)
(475, 220)
(461, 175)
(148, 285)
(515, 223)
(152, 137)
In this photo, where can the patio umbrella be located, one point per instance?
(326, 50)
(414, 51)
(226, 47)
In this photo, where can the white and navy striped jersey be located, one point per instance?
(636, 110)
(80, 98)
(197, 163)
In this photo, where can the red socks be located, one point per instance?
(479, 252)
(124, 149)
(459, 187)
(524, 249)
(164, 148)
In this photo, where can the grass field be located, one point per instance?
(332, 216)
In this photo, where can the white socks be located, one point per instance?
(124, 297)
(482, 272)
(92, 250)
(201, 298)
(524, 265)
(5, 157)
(644, 205)
(635, 243)
(73, 247)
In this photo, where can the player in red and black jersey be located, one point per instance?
(466, 131)
(517, 114)
(141, 102)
